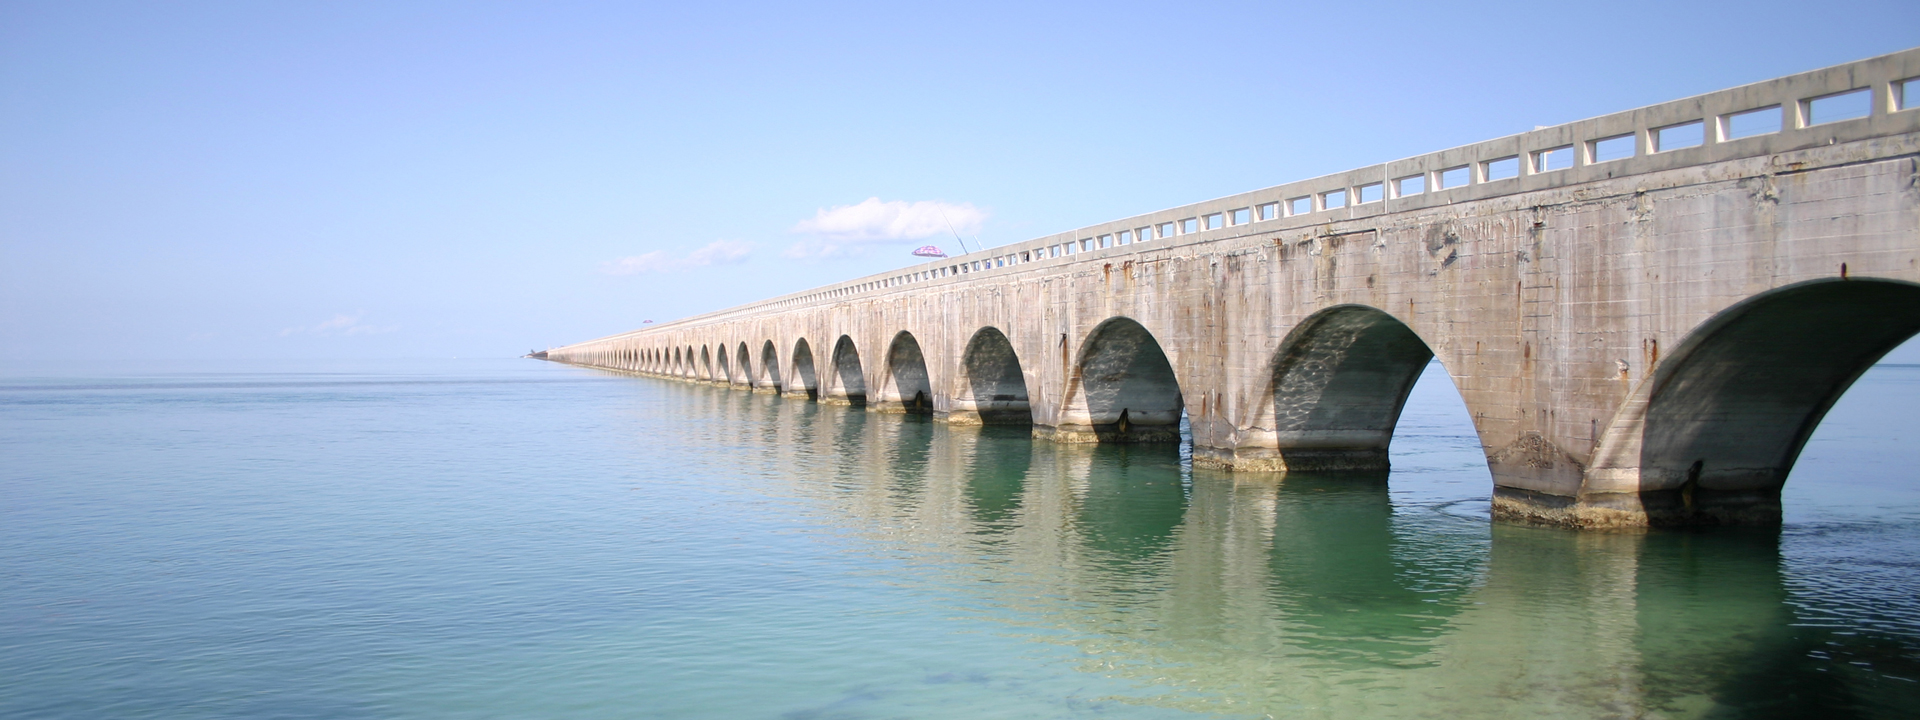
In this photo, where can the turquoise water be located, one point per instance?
(516, 539)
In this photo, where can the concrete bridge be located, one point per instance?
(1646, 313)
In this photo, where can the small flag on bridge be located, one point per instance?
(929, 251)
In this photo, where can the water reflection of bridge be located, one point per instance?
(1302, 597)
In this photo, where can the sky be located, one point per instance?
(187, 180)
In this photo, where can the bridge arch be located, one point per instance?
(846, 380)
(906, 385)
(1715, 431)
(706, 363)
(1336, 386)
(769, 380)
(723, 365)
(992, 388)
(1122, 390)
(806, 380)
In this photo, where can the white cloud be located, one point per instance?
(841, 230)
(818, 250)
(339, 325)
(718, 252)
(656, 261)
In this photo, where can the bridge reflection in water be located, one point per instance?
(1312, 596)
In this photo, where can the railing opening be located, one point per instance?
(1552, 159)
(1500, 169)
(1748, 123)
(1675, 137)
(1848, 105)
(1410, 185)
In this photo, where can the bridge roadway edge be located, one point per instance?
(1549, 308)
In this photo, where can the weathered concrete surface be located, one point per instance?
(1645, 340)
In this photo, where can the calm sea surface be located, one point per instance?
(517, 539)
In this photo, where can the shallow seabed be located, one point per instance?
(518, 539)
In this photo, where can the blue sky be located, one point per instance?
(393, 179)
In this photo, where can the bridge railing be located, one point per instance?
(1875, 97)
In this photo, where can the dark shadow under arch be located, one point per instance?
(1339, 381)
(993, 390)
(725, 375)
(769, 368)
(1124, 391)
(806, 381)
(908, 389)
(706, 363)
(849, 386)
(1729, 412)
(744, 362)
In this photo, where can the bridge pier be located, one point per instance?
(1657, 508)
(1292, 459)
(1118, 432)
(1712, 435)
(996, 410)
(918, 405)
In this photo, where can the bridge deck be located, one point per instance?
(1646, 312)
